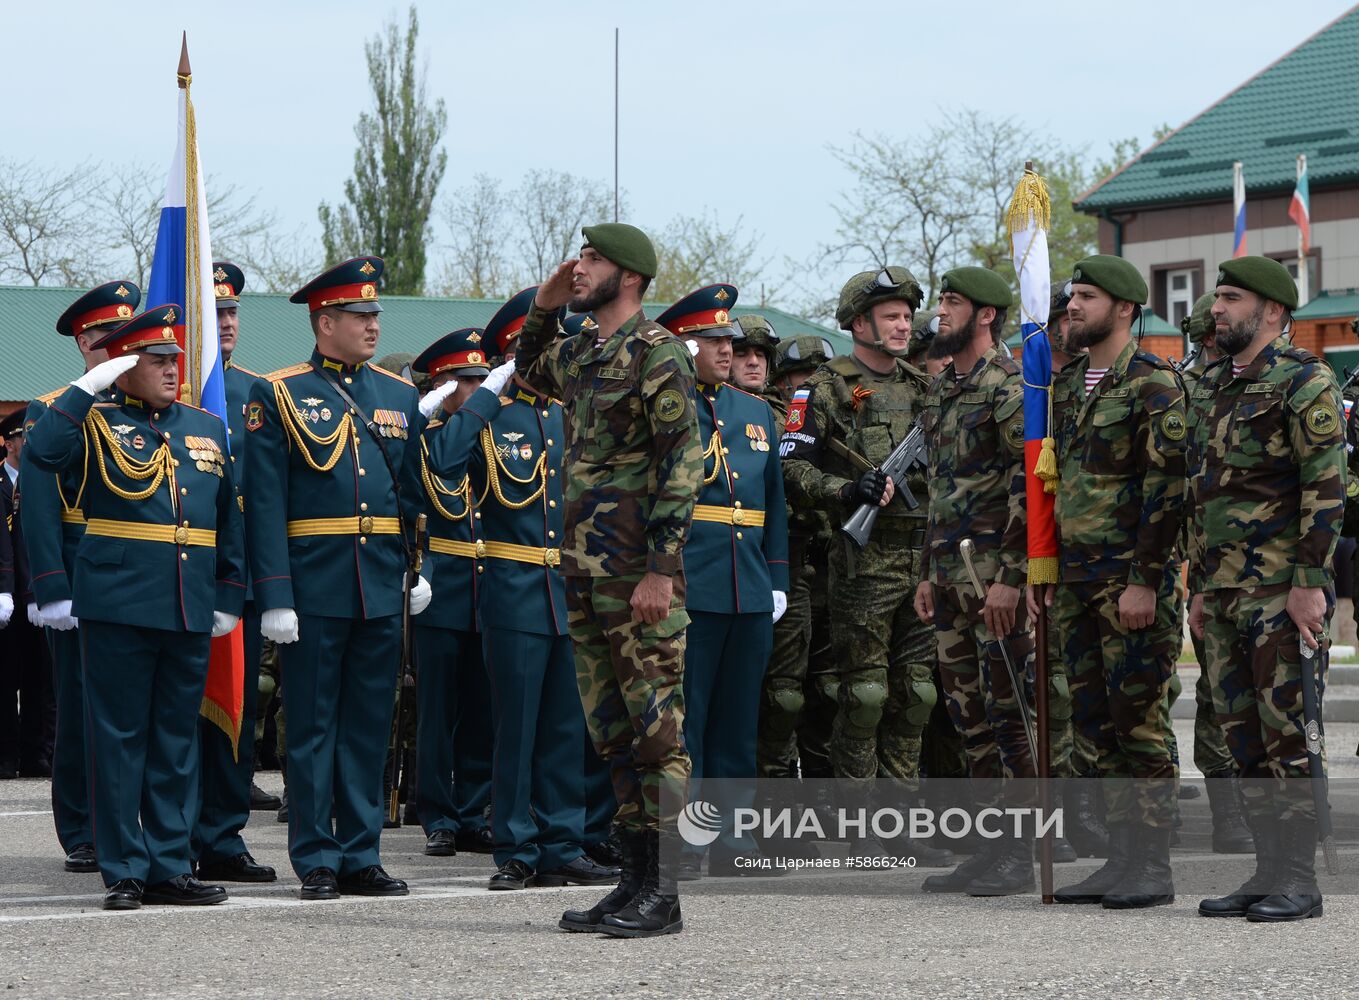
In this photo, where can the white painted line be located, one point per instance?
(35, 812)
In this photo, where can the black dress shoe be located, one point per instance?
(125, 894)
(513, 874)
(261, 801)
(441, 844)
(82, 859)
(320, 883)
(282, 814)
(608, 853)
(241, 868)
(372, 881)
(476, 841)
(184, 890)
(582, 871)
(37, 769)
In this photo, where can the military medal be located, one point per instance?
(139, 442)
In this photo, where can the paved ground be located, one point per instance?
(791, 937)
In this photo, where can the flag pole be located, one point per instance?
(1303, 290)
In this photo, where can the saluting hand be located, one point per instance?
(556, 291)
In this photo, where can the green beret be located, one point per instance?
(981, 285)
(1199, 323)
(627, 246)
(1113, 274)
(1267, 278)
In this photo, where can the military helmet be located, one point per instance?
(801, 353)
(1061, 298)
(755, 331)
(867, 288)
(399, 363)
(924, 325)
(1199, 323)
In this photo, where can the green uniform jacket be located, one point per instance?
(1120, 455)
(177, 458)
(1268, 471)
(51, 516)
(975, 431)
(633, 461)
(314, 478)
(239, 383)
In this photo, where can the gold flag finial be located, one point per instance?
(184, 74)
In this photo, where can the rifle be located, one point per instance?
(1314, 734)
(1184, 362)
(905, 456)
(394, 751)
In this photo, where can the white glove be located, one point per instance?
(498, 377)
(104, 374)
(693, 346)
(279, 625)
(223, 623)
(420, 596)
(34, 618)
(780, 604)
(57, 615)
(433, 399)
(6, 609)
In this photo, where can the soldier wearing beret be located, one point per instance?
(1268, 487)
(52, 517)
(1118, 415)
(226, 772)
(161, 570)
(974, 424)
(454, 729)
(841, 426)
(735, 562)
(633, 467)
(332, 487)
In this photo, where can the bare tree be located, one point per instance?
(551, 206)
(127, 203)
(476, 217)
(44, 224)
(696, 250)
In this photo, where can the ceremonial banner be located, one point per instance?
(181, 271)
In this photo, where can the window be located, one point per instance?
(1313, 272)
(1179, 295)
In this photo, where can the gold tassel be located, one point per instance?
(1046, 466)
(1030, 205)
(1043, 570)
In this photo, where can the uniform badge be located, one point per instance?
(139, 442)
(526, 451)
(1014, 435)
(797, 411)
(669, 406)
(207, 457)
(390, 423)
(1322, 419)
(325, 413)
(758, 437)
(254, 416)
(1172, 425)
(312, 401)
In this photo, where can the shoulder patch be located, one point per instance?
(391, 375)
(254, 415)
(1007, 364)
(288, 372)
(669, 405)
(1151, 359)
(242, 368)
(1172, 425)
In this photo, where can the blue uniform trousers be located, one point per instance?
(143, 689)
(339, 691)
(600, 802)
(453, 730)
(70, 783)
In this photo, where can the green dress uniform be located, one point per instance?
(454, 729)
(325, 533)
(53, 522)
(163, 549)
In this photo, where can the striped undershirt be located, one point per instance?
(1092, 378)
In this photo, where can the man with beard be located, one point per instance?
(1268, 486)
(1118, 415)
(974, 424)
(633, 466)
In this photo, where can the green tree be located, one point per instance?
(397, 166)
(697, 250)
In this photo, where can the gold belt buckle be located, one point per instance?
(366, 524)
(481, 549)
(552, 557)
(181, 536)
(738, 516)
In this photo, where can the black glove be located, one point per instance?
(869, 488)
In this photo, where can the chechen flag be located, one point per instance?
(181, 271)
(1300, 208)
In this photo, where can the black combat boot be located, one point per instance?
(1296, 895)
(655, 910)
(1092, 888)
(961, 877)
(1230, 833)
(1258, 886)
(1081, 821)
(1012, 872)
(1146, 881)
(633, 846)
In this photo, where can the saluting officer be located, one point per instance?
(52, 517)
(161, 569)
(736, 559)
(332, 486)
(454, 731)
(225, 777)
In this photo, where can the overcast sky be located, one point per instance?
(727, 106)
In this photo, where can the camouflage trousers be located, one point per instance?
(797, 704)
(631, 677)
(982, 700)
(1255, 671)
(1119, 683)
(884, 661)
(1071, 754)
(1211, 755)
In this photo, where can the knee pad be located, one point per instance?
(864, 701)
(829, 686)
(920, 699)
(786, 701)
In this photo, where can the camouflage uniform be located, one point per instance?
(884, 655)
(633, 467)
(975, 430)
(1268, 487)
(1118, 511)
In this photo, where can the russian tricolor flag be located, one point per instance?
(1238, 210)
(1300, 208)
(181, 271)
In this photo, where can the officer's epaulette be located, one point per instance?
(105, 404)
(288, 372)
(47, 399)
(400, 378)
(506, 401)
(1300, 354)
(243, 368)
(433, 424)
(1155, 360)
(652, 333)
(1006, 363)
(198, 408)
